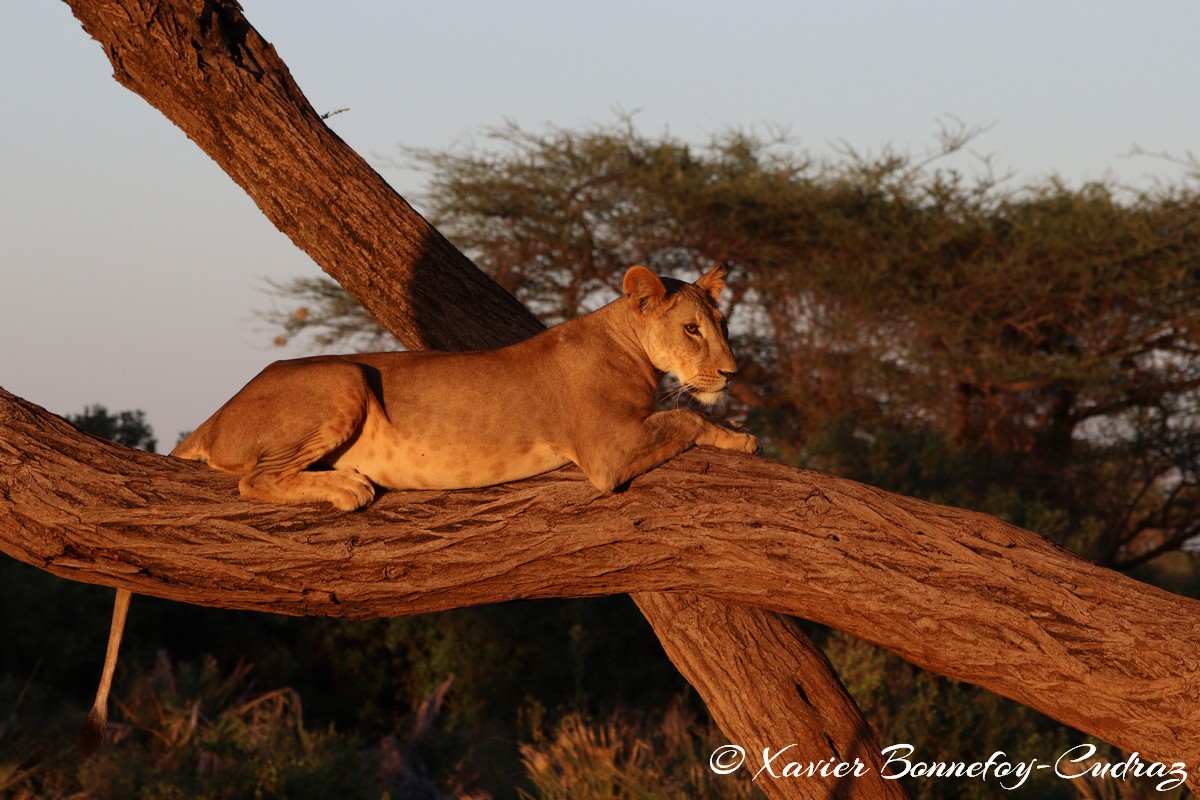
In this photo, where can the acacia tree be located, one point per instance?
(713, 546)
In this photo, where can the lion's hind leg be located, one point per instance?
(285, 421)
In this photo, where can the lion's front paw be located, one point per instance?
(749, 444)
(739, 442)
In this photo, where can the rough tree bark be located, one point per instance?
(952, 591)
(207, 70)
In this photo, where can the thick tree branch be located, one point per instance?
(203, 65)
(953, 591)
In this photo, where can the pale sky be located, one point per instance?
(132, 267)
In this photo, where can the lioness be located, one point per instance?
(585, 391)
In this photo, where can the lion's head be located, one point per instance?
(682, 330)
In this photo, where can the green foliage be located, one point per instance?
(129, 428)
(190, 731)
(515, 666)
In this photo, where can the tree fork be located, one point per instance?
(205, 68)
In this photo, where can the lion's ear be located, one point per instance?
(713, 282)
(644, 289)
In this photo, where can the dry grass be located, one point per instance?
(623, 758)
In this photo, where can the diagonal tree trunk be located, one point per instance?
(207, 70)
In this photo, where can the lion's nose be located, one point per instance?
(728, 374)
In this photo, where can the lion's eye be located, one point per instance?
(692, 328)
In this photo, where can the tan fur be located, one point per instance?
(583, 392)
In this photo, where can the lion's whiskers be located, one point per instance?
(675, 396)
